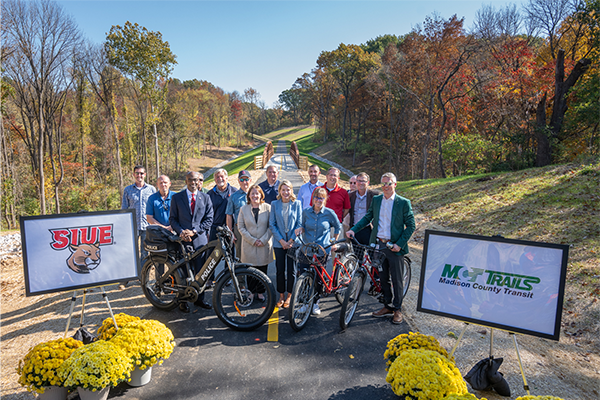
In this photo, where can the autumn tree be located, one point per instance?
(143, 56)
(43, 40)
(349, 65)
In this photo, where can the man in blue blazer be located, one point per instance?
(393, 224)
(192, 226)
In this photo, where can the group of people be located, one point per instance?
(267, 219)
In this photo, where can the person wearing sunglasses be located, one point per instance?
(318, 223)
(393, 224)
(236, 201)
(136, 196)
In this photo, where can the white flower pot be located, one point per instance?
(140, 377)
(54, 393)
(86, 394)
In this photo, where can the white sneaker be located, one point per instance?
(316, 310)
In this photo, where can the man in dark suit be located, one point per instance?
(393, 224)
(191, 217)
(360, 201)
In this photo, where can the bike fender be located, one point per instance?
(237, 266)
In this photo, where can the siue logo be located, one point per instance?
(84, 244)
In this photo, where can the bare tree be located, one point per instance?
(104, 79)
(42, 39)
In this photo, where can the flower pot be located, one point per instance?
(86, 394)
(140, 377)
(54, 393)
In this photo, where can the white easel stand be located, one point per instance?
(525, 385)
(82, 318)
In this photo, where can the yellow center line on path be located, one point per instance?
(273, 331)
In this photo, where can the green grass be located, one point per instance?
(555, 204)
(245, 161)
(290, 133)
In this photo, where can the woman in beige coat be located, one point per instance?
(257, 242)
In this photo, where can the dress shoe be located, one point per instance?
(202, 304)
(382, 313)
(184, 307)
(397, 318)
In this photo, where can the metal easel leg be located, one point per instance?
(82, 317)
(105, 297)
(525, 385)
(459, 339)
(491, 343)
(73, 300)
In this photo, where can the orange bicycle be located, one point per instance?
(305, 290)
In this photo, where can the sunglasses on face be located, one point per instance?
(140, 173)
(388, 183)
(244, 179)
(320, 198)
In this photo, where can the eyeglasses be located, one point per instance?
(244, 179)
(166, 204)
(361, 181)
(140, 173)
(388, 183)
(353, 183)
(320, 198)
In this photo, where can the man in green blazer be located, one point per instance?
(393, 224)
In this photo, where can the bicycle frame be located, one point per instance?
(321, 271)
(220, 250)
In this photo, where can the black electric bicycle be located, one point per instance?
(233, 302)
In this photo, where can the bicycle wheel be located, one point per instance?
(407, 274)
(342, 277)
(302, 300)
(248, 313)
(161, 297)
(351, 298)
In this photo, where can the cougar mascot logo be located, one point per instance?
(84, 258)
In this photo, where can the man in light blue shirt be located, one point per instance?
(305, 192)
(236, 201)
(136, 196)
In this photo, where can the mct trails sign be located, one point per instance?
(513, 285)
(73, 251)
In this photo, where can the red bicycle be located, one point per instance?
(305, 290)
(371, 262)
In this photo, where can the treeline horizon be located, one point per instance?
(520, 90)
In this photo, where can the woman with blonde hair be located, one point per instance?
(286, 217)
(257, 243)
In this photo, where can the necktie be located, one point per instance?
(193, 204)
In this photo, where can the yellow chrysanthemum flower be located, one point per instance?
(95, 366)
(437, 378)
(412, 341)
(107, 330)
(146, 342)
(39, 367)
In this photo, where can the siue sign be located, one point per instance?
(71, 251)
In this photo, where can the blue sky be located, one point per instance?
(261, 44)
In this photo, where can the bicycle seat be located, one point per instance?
(342, 248)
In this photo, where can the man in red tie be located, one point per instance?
(191, 217)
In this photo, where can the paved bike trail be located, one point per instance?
(212, 361)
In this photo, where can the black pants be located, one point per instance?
(253, 285)
(391, 279)
(285, 266)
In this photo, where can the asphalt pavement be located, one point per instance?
(212, 361)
